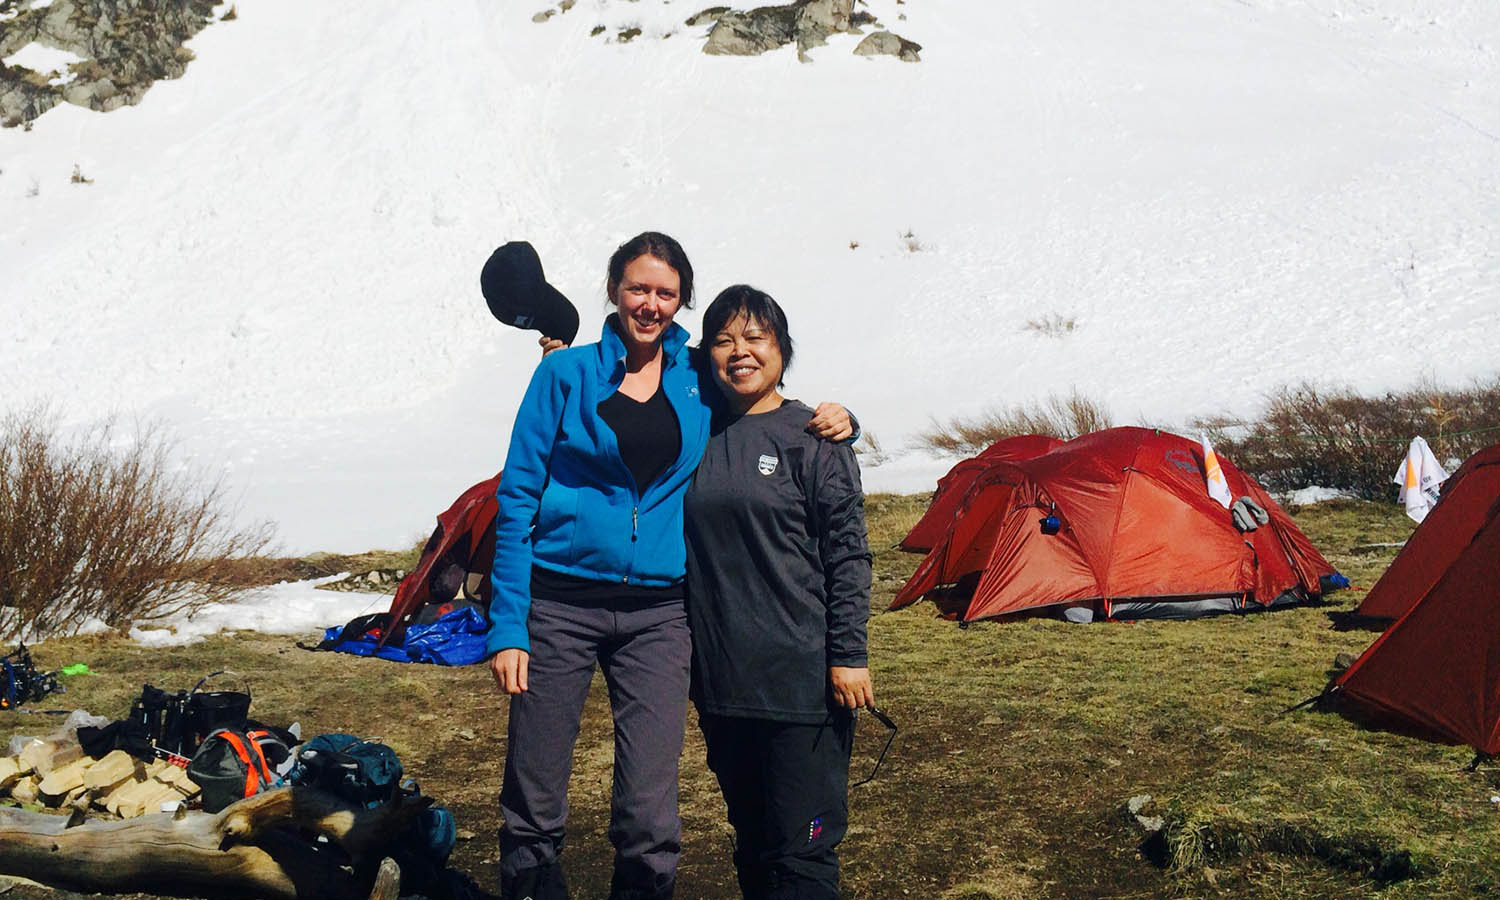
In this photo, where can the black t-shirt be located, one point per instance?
(778, 568)
(649, 436)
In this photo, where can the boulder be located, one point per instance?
(887, 43)
(752, 33)
(818, 19)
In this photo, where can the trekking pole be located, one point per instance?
(885, 720)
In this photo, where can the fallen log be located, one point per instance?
(255, 847)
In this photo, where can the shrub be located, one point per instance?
(1334, 437)
(107, 529)
(1060, 417)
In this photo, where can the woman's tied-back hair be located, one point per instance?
(661, 246)
(759, 307)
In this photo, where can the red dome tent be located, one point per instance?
(952, 488)
(1436, 671)
(461, 547)
(1137, 537)
(1468, 495)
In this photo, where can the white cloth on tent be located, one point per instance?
(1421, 479)
(1218, 488)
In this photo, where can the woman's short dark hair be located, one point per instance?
(661, 246)
(743, 300)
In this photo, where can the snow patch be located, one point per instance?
(1227, 197)
(291, 607)
(43, 59)
(1313, 494)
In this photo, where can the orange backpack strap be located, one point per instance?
(260, 755)
(252, 776)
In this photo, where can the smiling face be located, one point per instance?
(648, 295)
(747, 364)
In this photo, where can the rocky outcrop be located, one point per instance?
(808, 23)
(886, 43)
(125, 47)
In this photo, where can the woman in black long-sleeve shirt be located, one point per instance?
(778, 583)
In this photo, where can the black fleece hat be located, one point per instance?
(518, 293)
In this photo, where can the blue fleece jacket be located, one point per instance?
(567, 501)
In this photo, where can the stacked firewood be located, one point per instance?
(56, 773)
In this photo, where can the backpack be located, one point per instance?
(364, 772)
(369, 773)
(175, 723)
(20, 682)
(235, 763)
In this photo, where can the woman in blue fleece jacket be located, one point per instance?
(589, 566)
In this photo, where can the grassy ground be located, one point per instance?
(1020, 744)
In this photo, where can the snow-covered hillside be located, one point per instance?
(279, 252)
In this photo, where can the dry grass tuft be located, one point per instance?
(1053, 325)
(1061, 417)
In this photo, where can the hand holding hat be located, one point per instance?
(518, 293)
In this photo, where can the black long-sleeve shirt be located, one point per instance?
(778, 568)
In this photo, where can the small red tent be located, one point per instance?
(1137, 536)
(1436, 671)
(1433, 548)
(952, 488)
(463, 543)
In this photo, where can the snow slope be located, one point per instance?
(279, 252)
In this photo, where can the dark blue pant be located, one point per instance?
(786, 786)
(644, 652)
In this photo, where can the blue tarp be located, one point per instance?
(456, 639)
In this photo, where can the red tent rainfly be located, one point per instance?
(1436, 671)
(953, 487)
(1136, 536)
(1468, 495)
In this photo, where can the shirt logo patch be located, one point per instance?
(767, 464)
(814, 829)
(692, 390)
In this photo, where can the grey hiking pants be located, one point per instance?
(644, 651)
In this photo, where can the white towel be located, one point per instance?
(1218, 488)
(1421, 479)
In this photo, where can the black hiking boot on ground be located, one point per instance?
(536, 883)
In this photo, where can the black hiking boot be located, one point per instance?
(536, 883)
